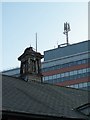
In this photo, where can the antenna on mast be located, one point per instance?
(66, 30)
(36, 42)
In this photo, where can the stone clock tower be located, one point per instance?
(30, 68)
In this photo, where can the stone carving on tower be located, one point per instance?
(30, 68)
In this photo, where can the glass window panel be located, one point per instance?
(66, 74)
(84, 70)
(54, 76)
(58, 75)
(50, 77)
(79, 75)
(50, 81)
(70, 63)
(74, 76)
(56, 66)
(75, 62)
(55, 80)
(71, 73)
(63, 65)
(71, 77)
(84, 75)
(66, 65)
(79, 62)
(85, 84)
(75, 72)
(58, 80)
(88, 59)
(53, 67)
(80, 71)
(76, 85)
(88, 83)
(72, 86)
(65, 78)
(84, 61)
(68, 78)
(59, 66)
(62, 74)
(62, 79)
(88, 69)
(80, 85)
(46, 78)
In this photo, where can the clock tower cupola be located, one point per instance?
(30, 68)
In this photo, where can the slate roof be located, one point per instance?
(41, 98)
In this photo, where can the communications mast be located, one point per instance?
(66, 30)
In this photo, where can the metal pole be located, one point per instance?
(36, 42)
(67, 37)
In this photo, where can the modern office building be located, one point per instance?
(68, 65)
(14, 72)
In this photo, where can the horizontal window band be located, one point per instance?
(71, 82)
(64, 65)
(62, 70)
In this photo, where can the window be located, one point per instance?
(49, 81)
(71, 77)
(62, 79)
(76, 86)
(79, 62)
(85, 84)
(46, 78)
(58, 80)
(84, 74)
(88, 84)
(80, 85)
(74, 76)
(66, 64)
(58, 75)
(57, 67)
(71, 73)
(50, 77)
(54, 76)
(75, 72)
(72, 86)
(88, 69)
(80, 71)
(84, 61)
(62, 75)
(79, 75)
(66, 74)
(84, 70)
